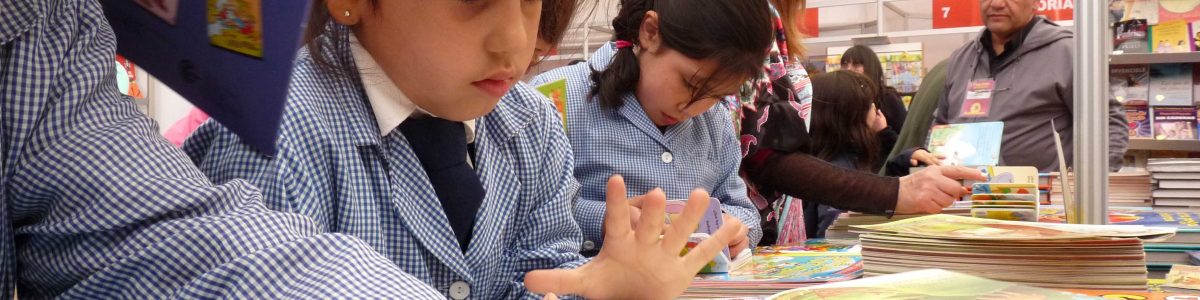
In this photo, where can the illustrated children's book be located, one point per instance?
(236, 25)
(817, 260)
(233, 59)
(1139, 121)
(924, 284)
(557, 92)
(967, 144)
(1174, 123)
(1170, 37)
(704, 229)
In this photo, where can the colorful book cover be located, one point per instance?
(244, 93)
(1129, 84)
(1131, 36)
(1172, 10)
(236, 25)
(1136, 295)
(923, 284)
(967, 144)
(1005, 191)
(557, 92)
(1139, 121)
(1174, 123)
(1170, 37)
(818, 260)
(128, 72)
(1116, 215)
(1170, 85)
(704, 228)
(1181, 220)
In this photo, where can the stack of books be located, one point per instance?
(1005, 201)
(1176, 181)
(1033, 253)
(840, 229)
(943, 284)
(1124, 189)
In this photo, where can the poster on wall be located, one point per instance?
(231, 58)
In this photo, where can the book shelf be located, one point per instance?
(1144, 144)
(1154, 58)
(1164, 145)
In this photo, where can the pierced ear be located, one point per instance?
(347, 12)
(649, 36)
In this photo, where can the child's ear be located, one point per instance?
(649, 37)
(348, 12)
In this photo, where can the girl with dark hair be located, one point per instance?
(861, 59)
(845, 132)
(644, 106)
(778, 167)
(405, 127)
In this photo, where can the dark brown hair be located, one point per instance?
(841, 101)
(866, 57)
(556, 17)
(734, 33)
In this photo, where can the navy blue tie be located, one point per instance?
(441, 146)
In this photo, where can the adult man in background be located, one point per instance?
(1019, 71)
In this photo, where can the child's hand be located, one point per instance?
(636, 262)
(741, 240)
(924, 157)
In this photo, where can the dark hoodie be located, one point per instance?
(1033, 85)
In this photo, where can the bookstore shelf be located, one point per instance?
(1154, 58)
(1164, 145)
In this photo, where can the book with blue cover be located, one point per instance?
(231, 58)
(967, 144)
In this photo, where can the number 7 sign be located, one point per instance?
(956, 13)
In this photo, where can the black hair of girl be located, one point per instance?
(866, 57)
(841, 101)
(736, 34)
